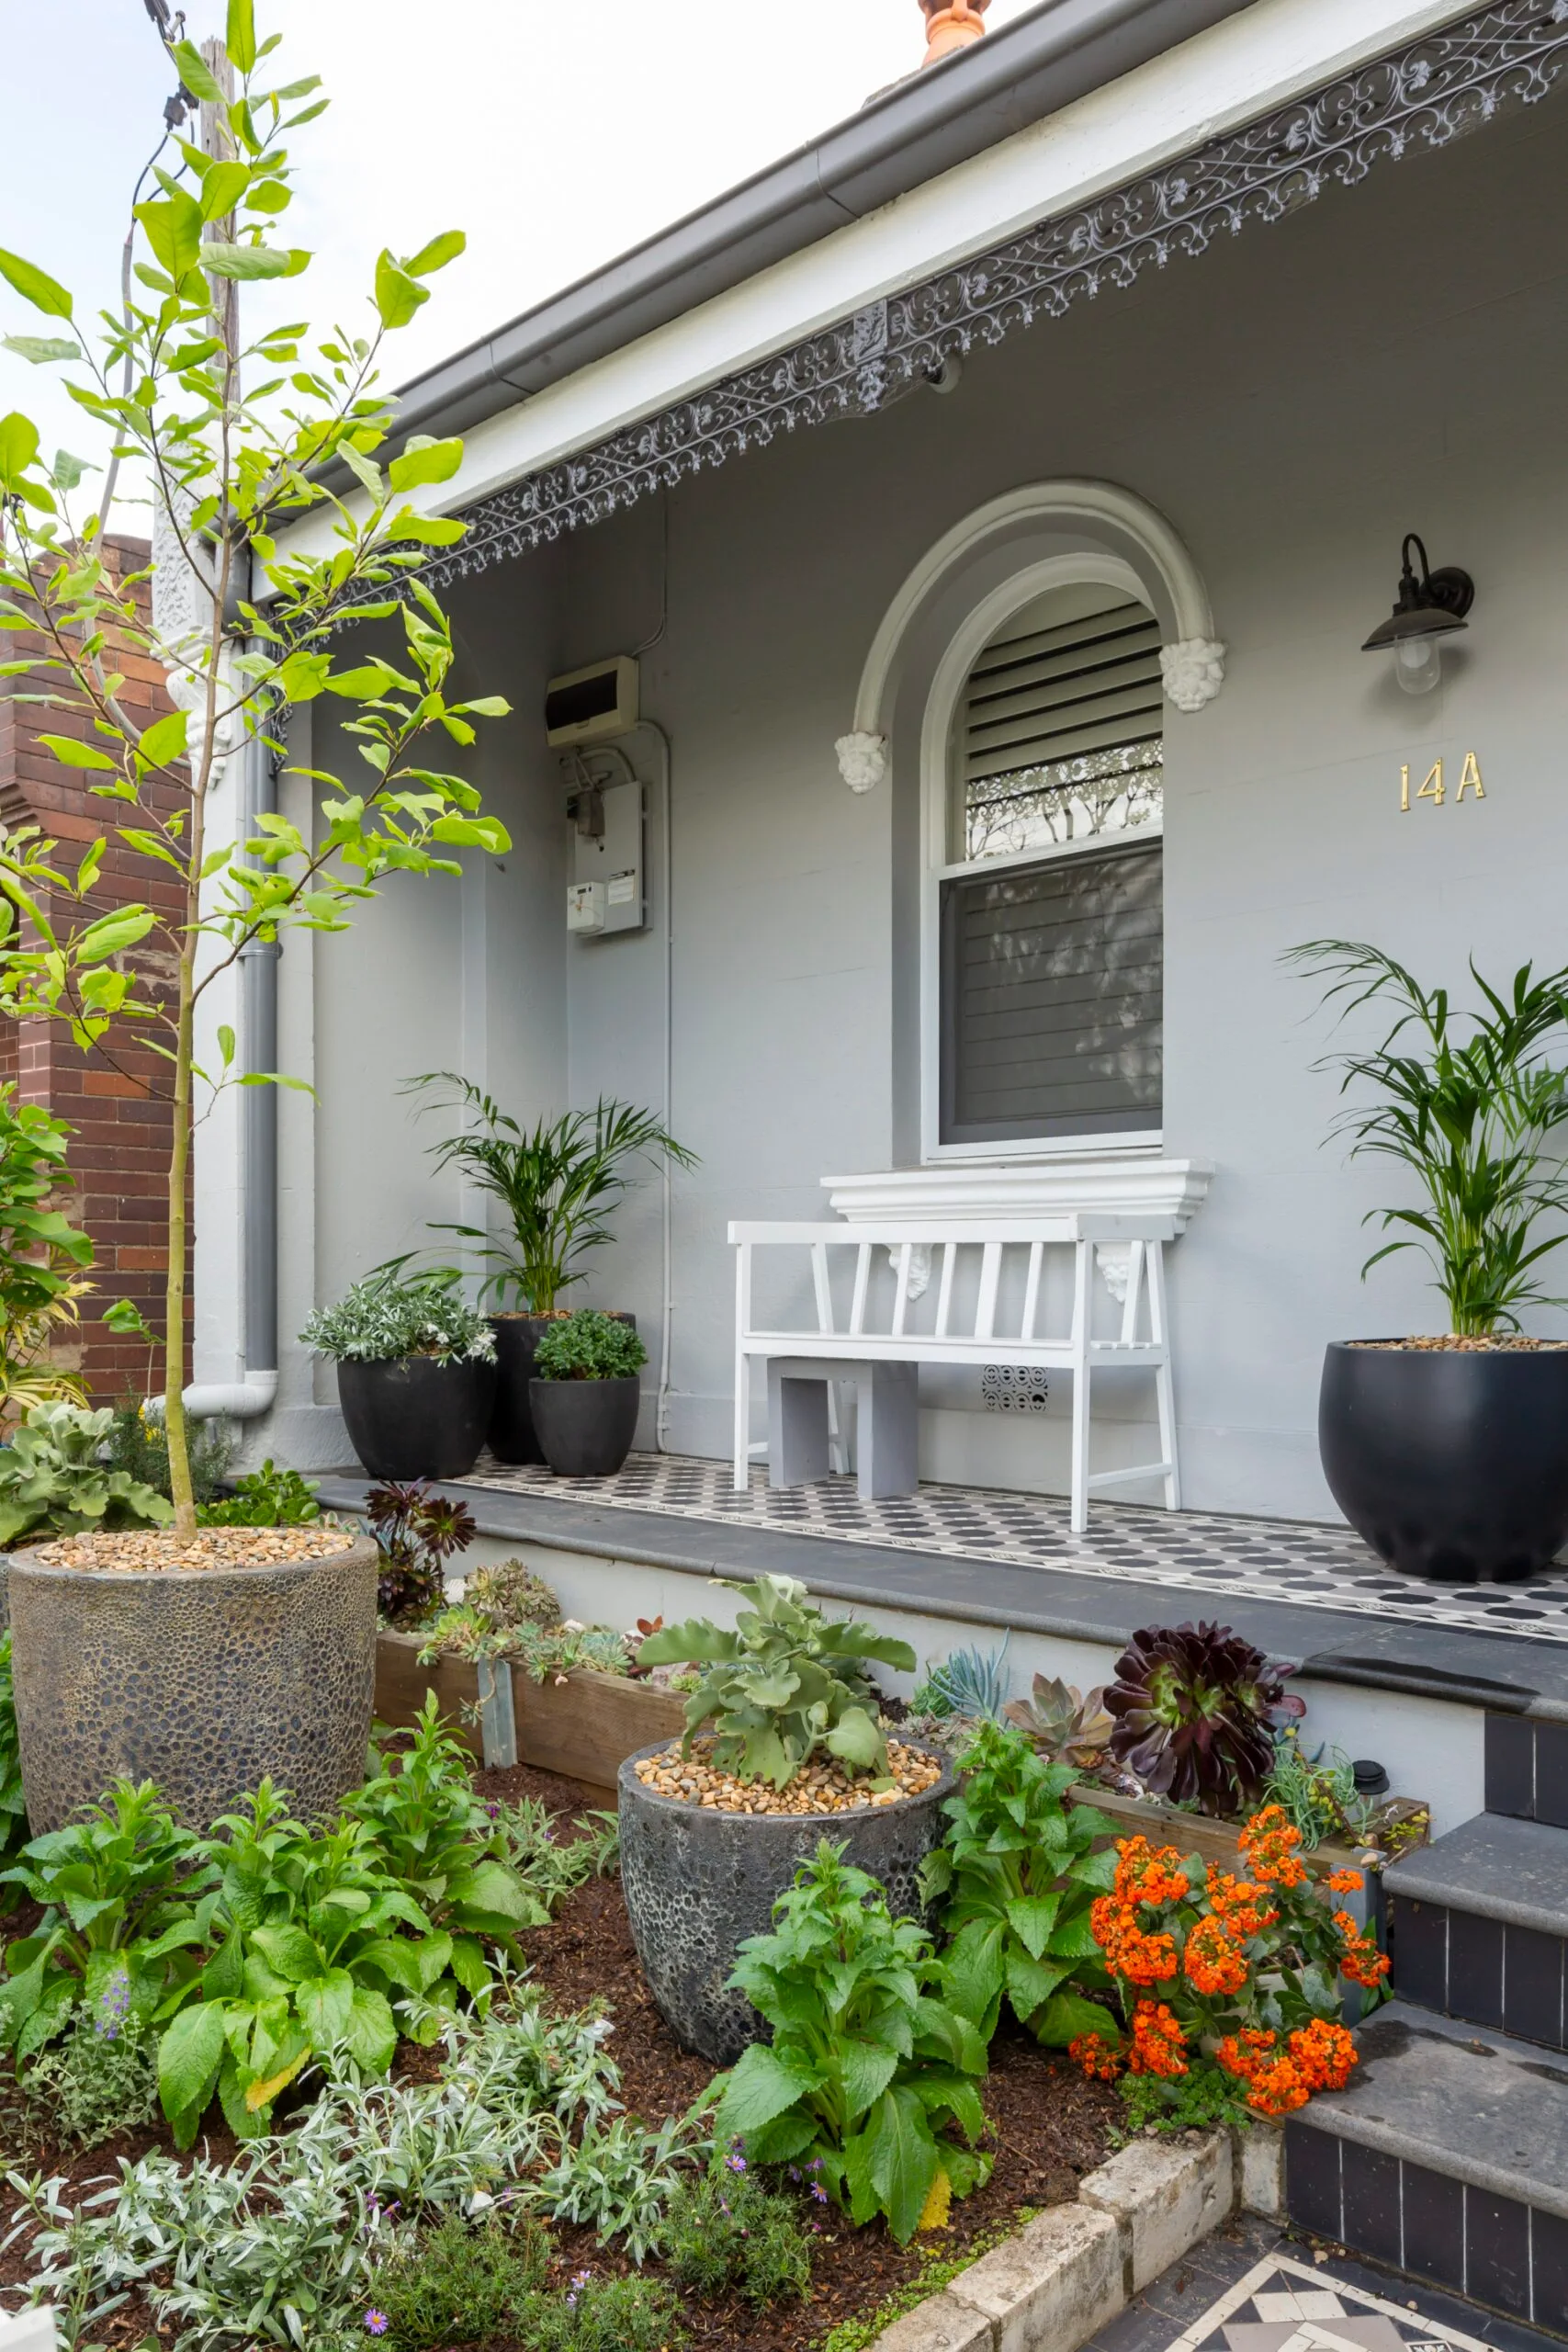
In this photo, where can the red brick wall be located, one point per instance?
(116, 1098)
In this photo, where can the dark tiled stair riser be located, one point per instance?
(1527, 1769)
(1491, 1972)
(1494, 2249)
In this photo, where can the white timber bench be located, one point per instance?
(891, 1329)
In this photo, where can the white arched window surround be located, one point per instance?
(1154, 566)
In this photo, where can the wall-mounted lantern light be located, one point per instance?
(1429, 609)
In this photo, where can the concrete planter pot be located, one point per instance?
(204, 1682)
(1449, 1462)
(697, 1883)
(586, 1426)
(417, 1416)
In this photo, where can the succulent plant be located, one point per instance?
(784, 1684)
(1061, 1724)
(971, 1683)
(1195, 1708)
(512, 1593)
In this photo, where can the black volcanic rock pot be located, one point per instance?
(417, 1416)
(1452, 1463)
(697, 1883)
(586, 1426)
(204, 1681)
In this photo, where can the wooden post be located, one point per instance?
(217, 142)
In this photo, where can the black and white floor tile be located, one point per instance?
(1282, 2304)
(1198, 1551)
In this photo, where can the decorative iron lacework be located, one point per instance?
(1431, 93)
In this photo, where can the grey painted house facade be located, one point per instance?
(969, 583)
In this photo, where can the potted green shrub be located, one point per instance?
(415, 1372)
(783, 1745)
(586, 1394)
(1446, 1452)
(556, 1185)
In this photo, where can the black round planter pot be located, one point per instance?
(513, 1437)
(697, 1883)
(417, 1416)
(1452, 1463)
(585, 1427)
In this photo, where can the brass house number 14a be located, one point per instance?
(1436, 791)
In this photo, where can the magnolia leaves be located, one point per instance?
(399, 293)
(35, 285)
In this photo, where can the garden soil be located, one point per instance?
(1048, 2127)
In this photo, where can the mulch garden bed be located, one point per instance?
(1049, 2126)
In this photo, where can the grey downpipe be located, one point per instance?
(256, 1391)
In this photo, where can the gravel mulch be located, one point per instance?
(159, 1552)
(826, 1788)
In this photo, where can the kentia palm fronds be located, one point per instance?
(557, 1182)
(1469, 1116)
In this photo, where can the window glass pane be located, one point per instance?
(1061, 731)
(1053, 997)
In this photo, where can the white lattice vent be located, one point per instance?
(1014, 1388)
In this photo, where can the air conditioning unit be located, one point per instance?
(592, 706)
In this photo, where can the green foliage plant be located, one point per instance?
(872, 2069)
(545, 1654)
(617, 2178)
(122, 1891)
(784, 1686)
(557, 1184)
(1466, 1104)
(457, 2284)
(1317, 1794)
(727, 2231)
(100, 2077)
(1061, 1724)
(240, 440)
(970, 1683)
(550, 1866)
(417, 1530)
(390, 1314)
(138, 1444)
(509, 1592)
(607, 2315)
(42, 1255)
(1016, 1877)
(265, 1497)
(54, 1481)
(1203, 2099)
(14, 1830)
(588, 1346)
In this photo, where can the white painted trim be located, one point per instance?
(1140, 1183)
(1230, 75)
(1068, 502)
(1038, 502)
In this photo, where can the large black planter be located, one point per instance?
(697, 1883)
(513, 1437)
(586, 1426)
(1451, 1463)
(417, 1416)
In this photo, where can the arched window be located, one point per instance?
(1048, 885)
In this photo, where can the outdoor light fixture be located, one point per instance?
(1429, 609)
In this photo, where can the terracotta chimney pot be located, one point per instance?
(952, 25)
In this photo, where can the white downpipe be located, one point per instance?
(232, 1400)
(667, 862)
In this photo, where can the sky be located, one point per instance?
(554, 133)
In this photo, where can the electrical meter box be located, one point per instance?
(605, 892)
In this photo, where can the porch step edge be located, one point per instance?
(1496, 1867)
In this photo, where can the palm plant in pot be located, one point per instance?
(1446, 1452)
(585, 1394)
(415, 1372)
(556, 1185)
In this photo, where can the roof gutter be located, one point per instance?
(910, 134)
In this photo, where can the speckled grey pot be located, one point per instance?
(699, 1883)
(204, 1683)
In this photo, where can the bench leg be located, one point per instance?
(1082, 1264)
(797, 1430)
(889, 1430)
(1165, 1378)
(743, 1423)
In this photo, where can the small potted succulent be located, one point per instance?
(784, 1744)
(586, 1394)
(1445, 1451)
(556, 1185)
(415, 1372)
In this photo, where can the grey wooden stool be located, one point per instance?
(889, 1422)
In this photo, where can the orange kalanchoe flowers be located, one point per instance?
(1149, 1874)
(1129, 1953)
(1323, 2055)
(1159, 2046)
(1212, 1963)
(1243, 1909)
(1360, 1961)
(1272, 1848)
(1344, 1883)
(1098, 2058)
(1319, 2058)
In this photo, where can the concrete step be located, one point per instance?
(1478, 1926)
(1447, 2158)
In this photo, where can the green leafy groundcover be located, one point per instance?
(270, 1946)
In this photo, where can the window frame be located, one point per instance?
(949, 686)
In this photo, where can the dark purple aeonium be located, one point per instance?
(1195, 1710)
